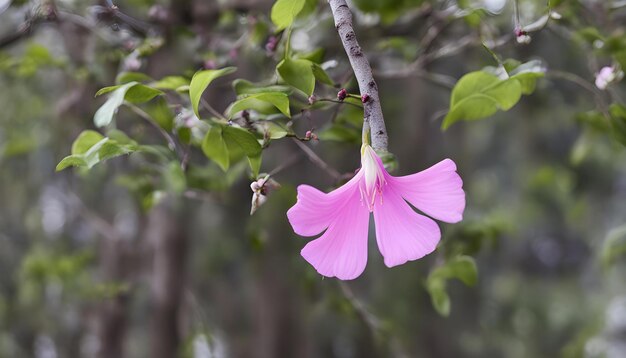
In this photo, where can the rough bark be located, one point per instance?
(372, 112)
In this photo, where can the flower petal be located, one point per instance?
(437, 191)
(401, 233)
(342, 250)
(314, 210)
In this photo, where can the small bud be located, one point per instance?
(270, 45)
(365, 98)
(132, 62)
(209, 65)
(342, 94)
(524, 39)
(522, 36)
(314, 137)
(260, 189)
(312, 99)
(308, 135)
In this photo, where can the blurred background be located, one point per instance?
(107, 262)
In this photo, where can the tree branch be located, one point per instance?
(372, 111)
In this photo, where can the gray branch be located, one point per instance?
(372, 112)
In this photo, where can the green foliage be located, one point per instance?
(133, 91)
(263, 102)
(480, 94)
(298, 73)
(284, 12)
(222, 141)
(125, 77)
(161, 113)
(614, 246)
(214, 147)
(200, 81)
(243, 87)
(618, 122)
(174, 83)
(90, 148)
(247, 142)
(35, 56)
(460, 267)
(321, 75)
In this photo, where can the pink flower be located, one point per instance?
(401, 233)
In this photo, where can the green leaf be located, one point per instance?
(242, 87)
(277, 99)
(125, 77)
(275, 130)
(479, 94)
(131, 91)
(298, 73)
(321, 75)
(618, 122)
(527, 75)
(614, 246)
(161, 113)
(214, 147)
(171, 83)
(141, 93)
(460, 267)
(255, 164)
(247, 142)
(86, 140)
(244, 139)
(201, 81)
(174, 177)
(135, 92)
(285, 11)
(315, 56)
(104, 114)
(439, 297)
(91, 147)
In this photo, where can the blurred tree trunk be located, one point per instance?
(113, 313)
(167, 234)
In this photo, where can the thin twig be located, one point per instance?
(317, 160)
(206, 105)
(574, 78)
(292, 160)
(339, 102)
(372, 112)
(370, 320)
(141, 113)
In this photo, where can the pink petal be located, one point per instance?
(342, 250)
(437, 191)
(401, 233)
(314, 210)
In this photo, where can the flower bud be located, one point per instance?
(342, 94)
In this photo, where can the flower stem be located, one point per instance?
(373, 120)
